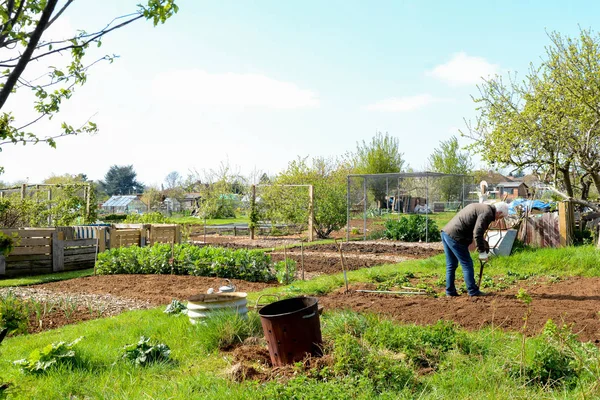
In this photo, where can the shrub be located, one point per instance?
(412, 228)
(187, 259)
(40, 361)
(145, 352)
(113, 217)
(13, 314)
(285, 271)
(148, 218)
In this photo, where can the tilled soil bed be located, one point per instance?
(573, 300)
(154, 289)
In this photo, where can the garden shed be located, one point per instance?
(172, 204)
(124, 204)
(190, 201)
(512, 190)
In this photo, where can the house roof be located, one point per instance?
(511, 184)
(119, 201)
(191, 196)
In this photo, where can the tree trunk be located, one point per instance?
(596, 178)
(567, 181)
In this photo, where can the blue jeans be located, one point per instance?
(455, 253)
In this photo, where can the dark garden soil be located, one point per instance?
(154, 289)
(572, 301)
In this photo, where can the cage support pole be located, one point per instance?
(49, 206)
(427, 209)
(387, 194)
(365, 208)
(348, 208)
(253, 205)
(311, 212)
(463, 193)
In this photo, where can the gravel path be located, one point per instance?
(109, 305)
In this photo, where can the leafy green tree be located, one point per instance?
(24, 27)
(121, 180)
(381, 155)
(550, 121)
(290, 204)
(448, 159)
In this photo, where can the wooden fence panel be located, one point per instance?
(541, 230)
(124, 237)
(32, 253)
(164, 234)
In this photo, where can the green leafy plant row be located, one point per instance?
(412, 228)
(187, 259)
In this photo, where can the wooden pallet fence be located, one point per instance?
(126, 238)
(541, 230)
(45, 250)
(31, 255)
(164, 233)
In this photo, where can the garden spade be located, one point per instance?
(481, 265)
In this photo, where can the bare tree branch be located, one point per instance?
(26, 57)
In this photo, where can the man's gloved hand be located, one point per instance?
(486, 246)
(483, 256)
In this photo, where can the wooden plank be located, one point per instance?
(38, 232)
(79, 242)
(19, 251)
(2, 265)
(29, 264)
(58, 256)
(81, 250)
(26, 241)
(80, 258)
(34, 257)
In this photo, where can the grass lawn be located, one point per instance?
(34, 280)
(200, 221)
(372, 357)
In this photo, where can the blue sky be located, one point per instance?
(257, 83)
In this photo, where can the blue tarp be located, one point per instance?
(528, 205)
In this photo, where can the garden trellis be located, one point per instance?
(403, 192)
(50, 194)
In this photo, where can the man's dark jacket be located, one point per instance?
(473, 220)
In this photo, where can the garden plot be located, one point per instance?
(325, 259)
(570, 301)
(68, 302)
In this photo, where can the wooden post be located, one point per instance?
(177, 234)
(88, 196)
(311, 212)
(144, 240)
(23, 190)
(253, 205)
(101, 235)
(566, 221)
(58, 251)
(2, 265)
(112, 237)
(49, 206)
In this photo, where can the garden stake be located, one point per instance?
(302, 257)
(343, 265)
(287, 272)
(388, 292)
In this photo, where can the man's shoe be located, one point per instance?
(479, 293)
(452, 294)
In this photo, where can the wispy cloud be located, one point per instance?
(463, 69)
(405, 104)
(200, 88)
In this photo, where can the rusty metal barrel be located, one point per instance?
(292, 329)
